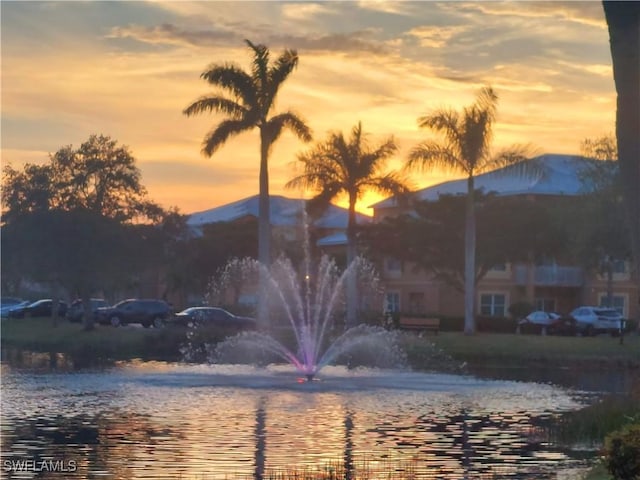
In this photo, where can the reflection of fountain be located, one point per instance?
(308, 312)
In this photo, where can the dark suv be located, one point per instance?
(145, 312)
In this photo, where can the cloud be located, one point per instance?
(305, 11)
(169, 34)
(584, 13)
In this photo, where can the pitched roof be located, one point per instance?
(284, 212)
(560, 176)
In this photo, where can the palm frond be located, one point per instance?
(375, 160)
(487, 101)
(517, 161)
(230, 77)
(393, 183)
(279, 71)
(260, 65)
(475, 138)
(447, 122)
(216, 104)
(276, 125)
(430, 155)
(219, 135)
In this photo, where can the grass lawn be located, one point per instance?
(104, 342)
(107, 342)
(493, 349)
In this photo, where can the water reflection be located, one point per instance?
(166, 421)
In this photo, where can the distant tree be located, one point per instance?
(99, 176)
(432, 236)
(350, 167)
(623, 20)
(599, 222)
(75, 250)
(249, 101)
(68, 221)
(466, 149)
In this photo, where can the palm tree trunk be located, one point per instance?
(470, 260)
(623, 19)
(264, 226)
(352, 286)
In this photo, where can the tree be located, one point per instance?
(340, 166)
(70, 223)
(432, 236)
(600, 223)
(466, 149)
(623, 20)
(99, 176)
(250, 100)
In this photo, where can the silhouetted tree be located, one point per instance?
(248, 104)
(466, 149)
(349, 167)
(432, 236)
(70, 223)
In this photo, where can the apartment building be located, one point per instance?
(552, 285)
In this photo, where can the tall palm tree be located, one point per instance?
(623, 20)
(249, 101)
(466, 149)
(341, 166)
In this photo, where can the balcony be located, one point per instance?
(551, 276)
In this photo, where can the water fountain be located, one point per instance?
(309, 306)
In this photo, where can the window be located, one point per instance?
(392, 302)
(545, 304)
(500, 267)
(492, 304)
(617, 302)
(619, 266)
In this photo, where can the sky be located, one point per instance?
(128, 69)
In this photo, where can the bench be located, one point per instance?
(420, 324)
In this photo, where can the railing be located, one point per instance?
(551, 276)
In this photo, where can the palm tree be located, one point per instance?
(250, 100)
(623, 20)
(340, 166)
(466, 149)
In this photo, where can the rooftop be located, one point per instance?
(284, 212)
(560, 175)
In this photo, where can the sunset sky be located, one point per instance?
(128, 69)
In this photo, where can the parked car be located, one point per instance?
(39, 308)
(76, 309)
(594, 320)
(215, 317)
(10, 303)
(539, 322)
(144, 311)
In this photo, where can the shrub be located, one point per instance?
(622, 453)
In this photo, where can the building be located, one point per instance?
(287, 216)
(551, 285)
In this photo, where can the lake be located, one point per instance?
(137, 420)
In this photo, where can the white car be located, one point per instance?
(538, 322)
(540, 318)
(593, 320)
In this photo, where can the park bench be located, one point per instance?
(420, 324)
